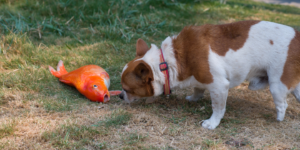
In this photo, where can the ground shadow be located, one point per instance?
(237, 107)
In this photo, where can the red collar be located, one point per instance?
(163, 66)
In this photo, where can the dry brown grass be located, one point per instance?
(250, 115)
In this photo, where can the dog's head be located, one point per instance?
(137, 76)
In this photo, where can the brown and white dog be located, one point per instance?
(217, 58)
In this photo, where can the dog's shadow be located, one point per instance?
(241, 104)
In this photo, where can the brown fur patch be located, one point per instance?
(291, 71)
(191, 47)
(136, 79)
(229, 36)
(271, 42)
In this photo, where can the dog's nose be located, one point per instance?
(121, 96)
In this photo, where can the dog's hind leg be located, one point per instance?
(198, 93)
(279, 92)
(296, 92)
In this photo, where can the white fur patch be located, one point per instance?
(138, 59)
(257, 55)
(153, 60)
(125, 67)
(257, 58)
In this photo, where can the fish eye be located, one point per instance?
(95, 86)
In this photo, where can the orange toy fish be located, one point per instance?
(92, 81)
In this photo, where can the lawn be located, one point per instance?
(39, 112)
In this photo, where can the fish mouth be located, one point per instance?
(105, 98)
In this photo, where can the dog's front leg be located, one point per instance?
(218, 97)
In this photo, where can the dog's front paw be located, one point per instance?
(209, 124)
(281, 111)
(280, 116)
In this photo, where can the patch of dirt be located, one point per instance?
(249, 122)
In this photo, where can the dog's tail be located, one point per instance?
(60, 71)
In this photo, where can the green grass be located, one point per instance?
(7, 129)
(74, 136)
(114, 19)
(101, 35)
(102, 32)
(133, 138)
(115, 119)
(202, 108)
(210, 143)
(38, 33)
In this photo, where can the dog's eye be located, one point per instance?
(95, 86)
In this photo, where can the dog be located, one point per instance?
(217, 58)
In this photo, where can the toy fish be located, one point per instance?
(92, 81)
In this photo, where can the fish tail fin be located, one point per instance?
(60, 71)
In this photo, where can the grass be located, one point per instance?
(70, 136)
(210, 143)
(132, 138)
(73, 136)
(116, 119)
(50, 115)
(7, 129)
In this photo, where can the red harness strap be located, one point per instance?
(163, 66)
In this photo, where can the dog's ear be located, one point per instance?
(141, 47)
(143, 71)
